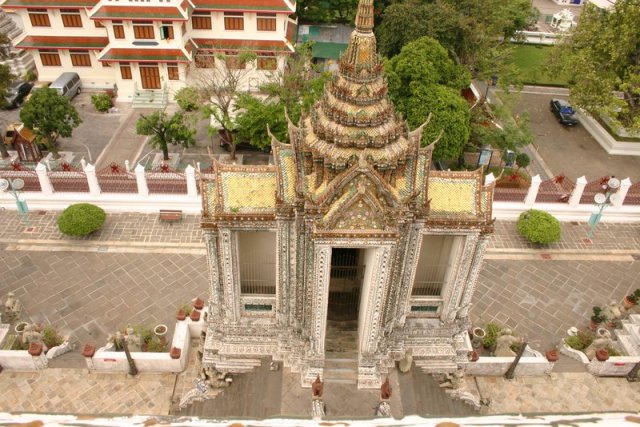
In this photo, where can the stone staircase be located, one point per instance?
(150, 99)
(18, 61)
(341, 368)
(629, 335)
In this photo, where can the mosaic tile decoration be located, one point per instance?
(287, 173)
(244, 191)
(454, 193)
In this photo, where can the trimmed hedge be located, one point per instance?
(81, 219)
(538, 227)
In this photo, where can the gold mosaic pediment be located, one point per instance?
(357, 209)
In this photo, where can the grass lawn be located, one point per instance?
(530, 59)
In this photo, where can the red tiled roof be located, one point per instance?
(234, 44)
(63, 42)
(244, 5)
(144, 55)
(51, 4)
(140, 13)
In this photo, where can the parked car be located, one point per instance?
(68, 84)
(563, 111)
(17, 92)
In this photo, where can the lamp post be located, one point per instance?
(14, 187)
(603, 200)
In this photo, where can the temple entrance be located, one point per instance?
(345, 286)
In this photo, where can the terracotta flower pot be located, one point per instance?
(198, 304)
(175, 353)
(594, 326)
(88, 350)
(602, 355)
(552, 355)
(181, 315)
(195, 315)
(35, 349)
(627, 303)
(474, 356)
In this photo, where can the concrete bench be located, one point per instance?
(170, 216)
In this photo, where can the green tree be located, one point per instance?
(327, 11)
(50, 115)
(476, 32)
(423, 79)
(602, 55)
(256, 115)
(6, 78)
(165, 130)
(220, 81)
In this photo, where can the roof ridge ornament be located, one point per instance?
(364, 16)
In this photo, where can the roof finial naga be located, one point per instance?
(364, 16)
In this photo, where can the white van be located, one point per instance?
(68, 84)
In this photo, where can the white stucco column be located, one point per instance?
(141, 180)
(622, 192)
(533, 191)
(92, 180)
(581, 182)
(45, 182)
(192, 186)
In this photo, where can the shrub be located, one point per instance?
(492, 332)
(30, 76)
(50, 337)
(522, 160)
(580, 341)
(81, 219)
(102, 102)
(187, 98)
(538, 227)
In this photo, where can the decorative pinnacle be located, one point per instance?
(364, 16)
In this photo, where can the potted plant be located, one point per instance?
(491, 335)
(631, 299)
(183, 311)
(160, 330)
(597, 318)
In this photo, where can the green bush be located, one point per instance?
(523, 160)
(580, 341)
(101, 101)
(491, 335)
(187, 98)
(538, 227)
(30, 76)
(81, 219)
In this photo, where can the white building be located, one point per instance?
(135, 45)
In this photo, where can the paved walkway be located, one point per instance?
(137, 269)
(125, 144)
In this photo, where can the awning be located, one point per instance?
(327, 50)
(140, 13)
(244, 5)
(51, 4)
(144, 55)
(234, 44)
(63, 42)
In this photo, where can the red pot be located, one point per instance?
(627, 303)
(195, 315)
(198, 304)
(35, 349)
(88, 350)
(594, 326)
(474, 356)
(175, 353)
(181, 315)
(552, 355)
(602, 355)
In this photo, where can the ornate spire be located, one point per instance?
(364, 16)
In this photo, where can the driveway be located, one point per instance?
(571, 151)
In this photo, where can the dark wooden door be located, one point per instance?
(150, 76)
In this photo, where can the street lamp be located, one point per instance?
(14, 187)
(603, 200)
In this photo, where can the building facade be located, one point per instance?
(349, 246)
(153, 44)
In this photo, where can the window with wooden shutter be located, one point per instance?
(39, 17)
(266, 21)
(234, 62)
(118, 30)
(98, 24)
(80, 58)
(201, 20)
(172, 71)
(71, 17)
(50, 58)
(234, 21)
(204, 59)
(267, 61)
(166, 31)
(125, 71)
(143, 30)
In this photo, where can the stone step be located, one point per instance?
(633, 331)
(627, 345)
(436, 366)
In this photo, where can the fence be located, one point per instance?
(119, 189)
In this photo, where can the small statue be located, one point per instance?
(317, 388)
(12, 307)
(385, 390)
(504, 343)
(30, 334)
(133, 340)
